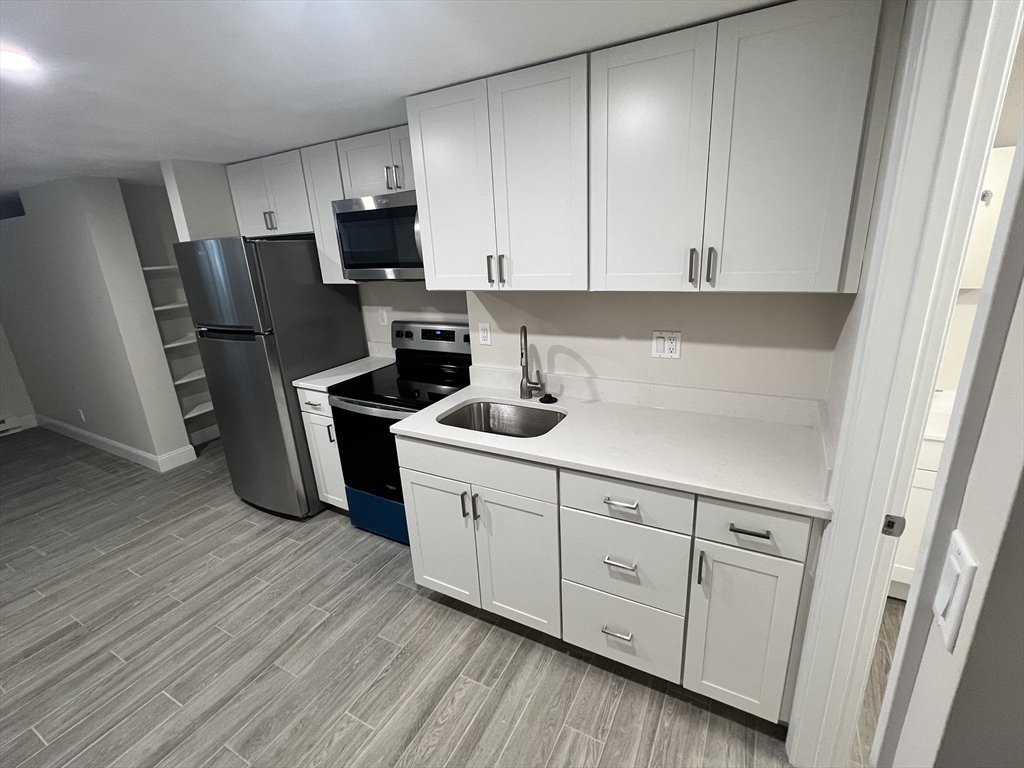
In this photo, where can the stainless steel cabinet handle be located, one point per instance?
(745, 532)
(387, 176)
(266, 220)
(700, 568)
(398, 183)
(330, 433)
(476, 515)
(623, 566)
(465, 510)
(628, 638)
(621, 504)
(694, 265)
(311, 404)
(490, 272)
(273, 220)
(501, 268)
(711, 263)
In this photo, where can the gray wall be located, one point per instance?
(14, 399)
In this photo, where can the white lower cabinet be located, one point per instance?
(743, 608)
(323, 452)
(491, 549)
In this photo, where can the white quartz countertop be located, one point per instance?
(319, 382)
(764, 463)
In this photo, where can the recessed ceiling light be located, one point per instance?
(15, 61)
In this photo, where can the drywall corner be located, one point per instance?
(200, 199)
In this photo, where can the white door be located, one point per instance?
(401, 158)
(441, 537)
(286, 187)
(740, 628)
(538, 120)
(323, 187)
(323, 451)
(650, 117)
(791, 86)
(249, 195)
(366, 164)
(451, 157)
(517, 550)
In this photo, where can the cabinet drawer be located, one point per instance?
(626, 559)
(312, 401)
(644, 504)
(651, 640)
(534, 481)
(786, 534)
(931, 453)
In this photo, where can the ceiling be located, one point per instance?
(125, 84)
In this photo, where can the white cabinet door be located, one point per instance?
(366, 164)
(286, 187)
(441, 536)
(742, 613)
(451, 157)
(791, 86)
(650, 116)
(517, 550)
(323, 451)
(249, 195)
(538, 121)
(323, 187)
(401, 157)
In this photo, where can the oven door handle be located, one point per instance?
(383, 411)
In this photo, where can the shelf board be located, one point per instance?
(165, 307)
(189, 377)
(182, 342)
(162, 268)
(199, 410)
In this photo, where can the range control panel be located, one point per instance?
(428, 336)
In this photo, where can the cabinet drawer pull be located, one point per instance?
(330, 433)
(311, 404)
(700, 568)
(694, 269)
(623, 566)
(745, 532)
(627, 638)
(621, 504)
(476, 515)
(490, 269)
(465, 511)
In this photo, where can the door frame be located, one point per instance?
(951, 79)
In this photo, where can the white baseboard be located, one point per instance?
(162, 463)
(204, 435)
(11, 424)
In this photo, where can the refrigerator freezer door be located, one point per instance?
(222, 284)
(249, 399)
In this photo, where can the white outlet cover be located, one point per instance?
(484, 330)
(382, 316)
(665, 344)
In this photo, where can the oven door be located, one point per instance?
(379, 237)
(369, 457)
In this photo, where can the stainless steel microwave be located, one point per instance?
(379, 237)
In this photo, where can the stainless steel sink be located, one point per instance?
(503, 419)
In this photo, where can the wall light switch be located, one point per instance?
(382, 316)
(485, 334)
(665, 344)
(954, 588)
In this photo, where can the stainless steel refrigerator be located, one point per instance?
(264, 318)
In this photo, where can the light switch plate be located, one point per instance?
(950, 602)
(665, 344)
(382, 316)
(485, 334)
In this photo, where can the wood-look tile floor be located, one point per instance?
(892, 617)
(153, 619)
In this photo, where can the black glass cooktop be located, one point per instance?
(415, 380)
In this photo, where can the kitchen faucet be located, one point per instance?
(526, 386)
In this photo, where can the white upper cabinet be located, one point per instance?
(791, 86)
(650, 118)
(451, 157)
(373, 164)
(269, 195)
(524, 225)
(538, 121)
(323, 187)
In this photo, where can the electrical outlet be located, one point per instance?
(665, 344)
(382, 316)
(485, 334)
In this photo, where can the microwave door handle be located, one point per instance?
(383, 411)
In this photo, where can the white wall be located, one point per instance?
(405, 301)
(152, 222)
(200, 199)
(14, 399)
(775, 344)
(75, 307)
